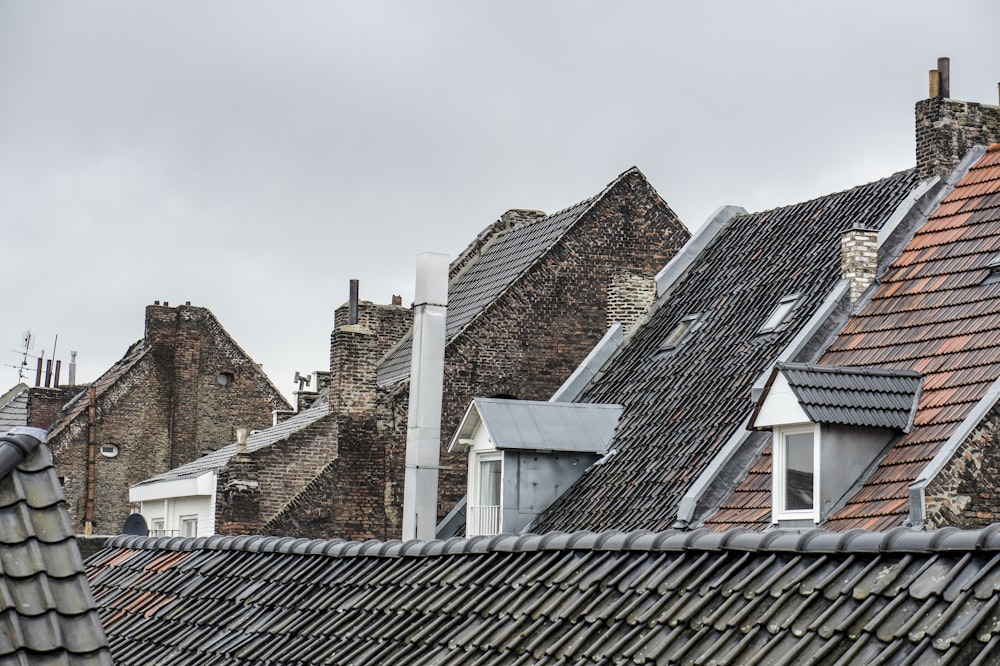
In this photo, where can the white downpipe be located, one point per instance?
(423, 435)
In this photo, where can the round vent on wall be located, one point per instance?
(109, 450)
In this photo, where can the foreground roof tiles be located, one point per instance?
(47, 613)
(936, 312)
(683, 402)
(738, 597)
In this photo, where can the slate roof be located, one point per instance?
(14, 408)
(47, 613)
(870, 397)
(936, 312)
(500, 264)
(682, 404)
(260, 439)
(738, 597)
(540, 426)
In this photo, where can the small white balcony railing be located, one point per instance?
(482, 521)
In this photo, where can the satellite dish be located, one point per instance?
(135, 525)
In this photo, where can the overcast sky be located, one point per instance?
(252, 157)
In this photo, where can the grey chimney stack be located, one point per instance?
(423, 435)
(72, 368)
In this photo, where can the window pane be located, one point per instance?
(798, 471)
(489, 488)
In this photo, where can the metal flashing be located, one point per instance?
(681, 262)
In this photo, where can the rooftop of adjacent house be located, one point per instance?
(14, 408)
(500, 263)
(256, 440)
(46, 608)
(870, 397)
(936, 312)
(902, 597)
(684, 378)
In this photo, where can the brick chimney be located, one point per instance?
(947, 128)
(858, 259)
(363, 333)
(629, 297)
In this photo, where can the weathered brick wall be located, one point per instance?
(162, 412)
(193, 350)
(629, 298)
(254, 487)
(132, 416)
(947, 128)
(45, 404)
(966, 493)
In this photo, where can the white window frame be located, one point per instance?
(780, 314)
(778, 510)
(475, 524)
(157, 526)
(184, 521)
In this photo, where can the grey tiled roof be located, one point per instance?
(683, 403)
(14, 408)
(217, 459)
(501, 263)
(737, 597)
(871, 397)
(47, 613)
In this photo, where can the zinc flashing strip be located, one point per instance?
(972, 420)
(679, 265)
(689, 502)
(591, 365)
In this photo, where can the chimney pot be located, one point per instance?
(397, 299)
(933, 84)
(156, 302)
(352, 311)
(944, 70)
(165, 304)
(187, 302)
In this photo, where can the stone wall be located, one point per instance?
(966, 493)
(947, 128)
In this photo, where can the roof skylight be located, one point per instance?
(681, 330)
(779, 316)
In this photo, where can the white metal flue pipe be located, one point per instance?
(423, 435)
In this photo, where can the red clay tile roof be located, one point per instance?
(937, 312)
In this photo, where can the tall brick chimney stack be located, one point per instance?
(947, 128)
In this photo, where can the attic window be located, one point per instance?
(994, 274)
(681, 330)
(109, 450)
(224, 379)
(779, 316)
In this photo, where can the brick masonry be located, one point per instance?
(859, 259)
(160, 411)
(630, 296)
(523, 345)
(966, 493)
(947, 128)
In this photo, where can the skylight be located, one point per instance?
(994, 274)
(683, 327)
(779, 316)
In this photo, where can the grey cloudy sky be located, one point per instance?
(252, 157)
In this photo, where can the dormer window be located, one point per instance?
(780, 315)
(796, 473)
(829, 426)
(681, 330)
(486, 477)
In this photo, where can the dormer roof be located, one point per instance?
(866, 397)
(539, 426)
